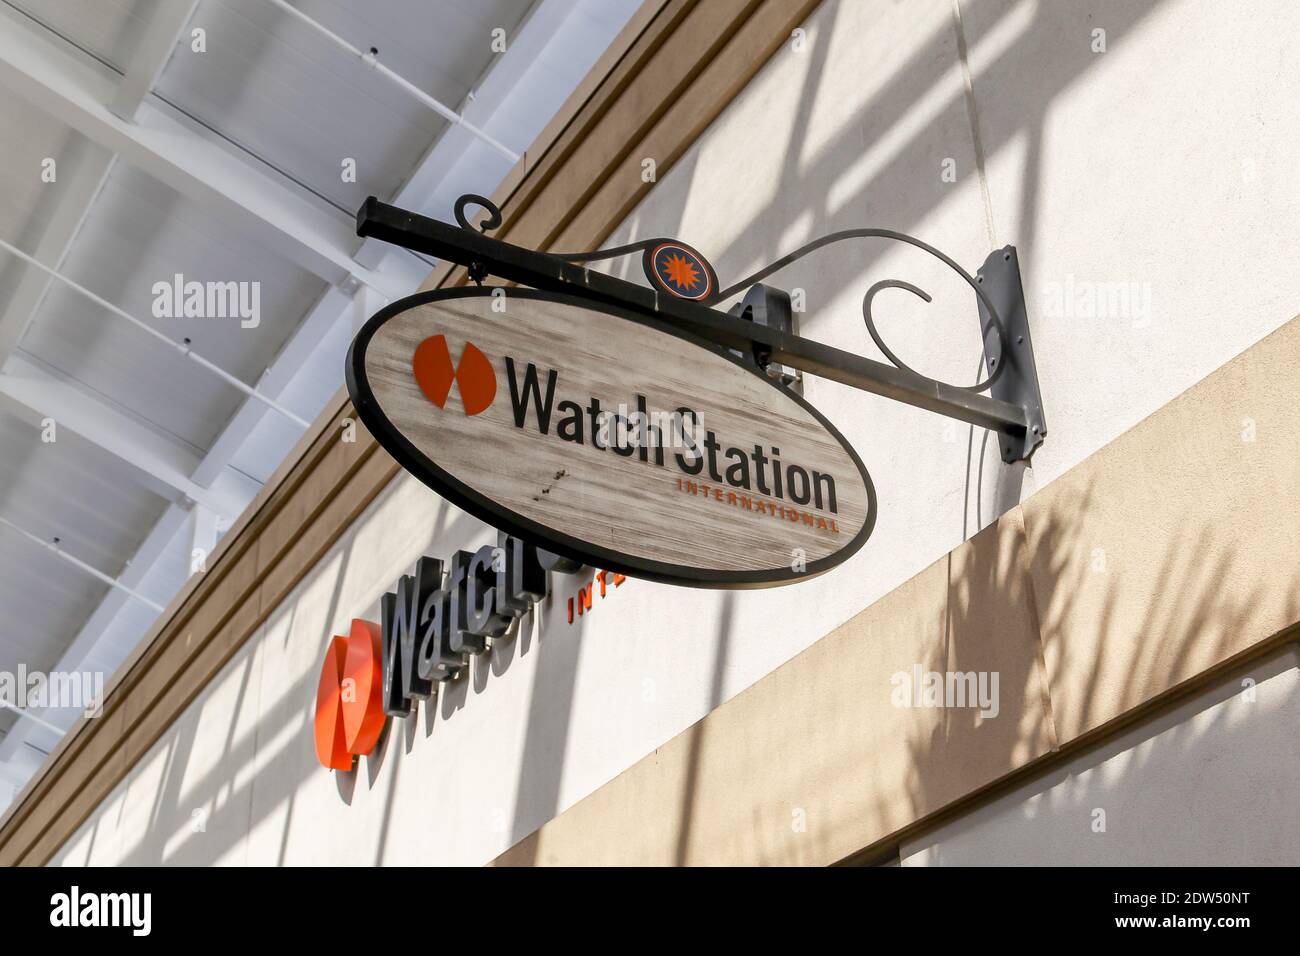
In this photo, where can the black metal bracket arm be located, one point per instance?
(760, 327)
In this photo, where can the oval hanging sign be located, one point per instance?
(609, 438)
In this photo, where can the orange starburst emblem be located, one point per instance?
(680, 270)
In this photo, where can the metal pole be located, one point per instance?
(95, 572)
(446, 112)
(32, 717)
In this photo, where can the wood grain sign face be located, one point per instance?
(609, 438)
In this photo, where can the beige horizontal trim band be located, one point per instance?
(571, 189)
(1143, 573)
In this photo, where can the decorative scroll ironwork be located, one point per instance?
(646, 247)
(994, 319)
(470, 199)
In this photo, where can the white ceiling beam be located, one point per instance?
(151, 54)
(202, 538)
(37, 395)
(545, 38)
(64, 83)
(365, 303)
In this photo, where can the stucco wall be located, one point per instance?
(1214, 781)
(1162, 162)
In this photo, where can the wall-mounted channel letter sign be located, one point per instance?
(609, 438)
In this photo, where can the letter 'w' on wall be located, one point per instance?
(610, 438)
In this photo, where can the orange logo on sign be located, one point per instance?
(679, 270)
(349, 699)
(435, 374)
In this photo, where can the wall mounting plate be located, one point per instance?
(1018, 384)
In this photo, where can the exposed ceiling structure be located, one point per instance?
(147, 144)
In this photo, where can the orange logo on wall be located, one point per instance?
(349, 702)
(435, 374)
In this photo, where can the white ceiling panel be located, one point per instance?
(45, 600)
(139, 233)
(29, 137)
(317, 381)
(71, 490)
(109, 28)
(282, 91)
